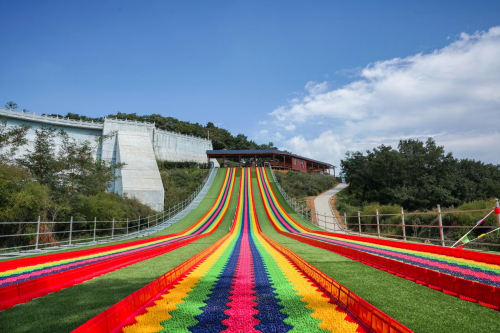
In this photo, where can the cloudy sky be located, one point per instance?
(317, 78)
(451, 94)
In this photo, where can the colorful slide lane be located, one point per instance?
(243, 284)
(22, 280)
(486, 276)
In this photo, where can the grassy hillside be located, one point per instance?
(298, 184)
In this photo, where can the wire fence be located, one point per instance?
(38, 235)
(438, 227)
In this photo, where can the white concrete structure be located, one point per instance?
(134, 143)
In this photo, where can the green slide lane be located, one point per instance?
(67, 309)
(419, 308)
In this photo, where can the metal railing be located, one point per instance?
(54, 235)
(438, 227)
(298, 206)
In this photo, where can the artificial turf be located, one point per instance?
(67, 309)
(419, 308)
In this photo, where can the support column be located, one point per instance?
(255, 160)
(239, 161)
(224, 161)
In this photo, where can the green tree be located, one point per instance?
(417, 175)
(11, 105)
(11, 139)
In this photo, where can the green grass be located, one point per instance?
(419, 308)
(67, 309)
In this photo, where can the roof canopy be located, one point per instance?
(261, 153)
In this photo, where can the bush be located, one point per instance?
(300, 184)
(179, 184)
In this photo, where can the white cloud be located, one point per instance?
(451, 94)
(314, 88)
(264, 131)
(278, 137)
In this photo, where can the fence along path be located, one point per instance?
(73, 234)
(243, 283)
(472, 276)
(24, 279)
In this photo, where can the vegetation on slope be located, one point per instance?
(299, 184)
(417, 175)
(55, 185)
(180, 180)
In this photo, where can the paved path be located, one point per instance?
(327, 219)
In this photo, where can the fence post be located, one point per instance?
(95, 226)
(378, 225)
(37, 233)
(498, 215)
(139, 226)
(440, 220)
(359, 221)
(70, 229)
(148, 221)
(127, 225)
(113, 229)
(345, 221)
(403, 223)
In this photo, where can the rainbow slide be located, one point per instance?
(465, 275)
(243, 283)
(24, 279)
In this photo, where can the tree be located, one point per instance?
(417, 175)
(72, 170)
(11, 105)
(11, 139)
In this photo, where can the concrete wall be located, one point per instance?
(140, 177)
(129, 140)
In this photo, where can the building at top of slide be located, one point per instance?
(137, 144)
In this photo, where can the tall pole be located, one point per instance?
(403, 223)
(378, 225)
(95, 226)
(70, 229)
(440, 220)
(498, 215)
(37, 233)
(359, 221)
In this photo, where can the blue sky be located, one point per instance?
(275, 71)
